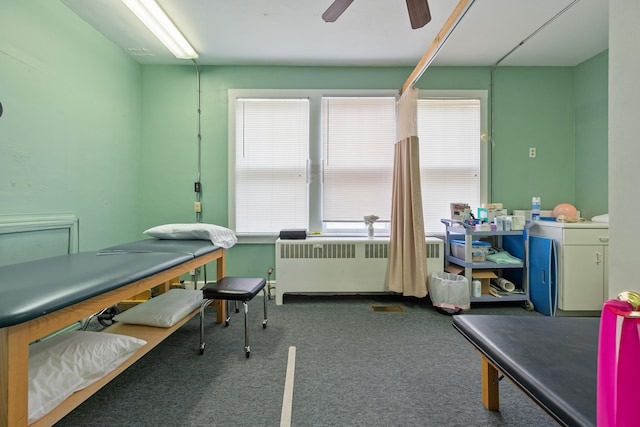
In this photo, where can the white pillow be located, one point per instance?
(71, 361)
(164, 310)
(219, 236)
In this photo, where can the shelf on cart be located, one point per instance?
(491, 298)
(481, 265)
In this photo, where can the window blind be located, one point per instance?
(358, 135)
(449, 132)
(272, 148)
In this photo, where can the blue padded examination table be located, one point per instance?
(32, 289)
(40, 297)
(190, 247)
(551, 359)
(193, 248)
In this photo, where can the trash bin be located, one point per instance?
(449, 292)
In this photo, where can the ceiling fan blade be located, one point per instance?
(334, 11)
(419, 13)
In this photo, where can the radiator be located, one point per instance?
(340, 265)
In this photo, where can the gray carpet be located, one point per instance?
(354, 367)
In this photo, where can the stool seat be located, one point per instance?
(234, 289)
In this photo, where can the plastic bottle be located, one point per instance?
(477, 288)
(535, 208)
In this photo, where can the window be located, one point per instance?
(272, 150)
(451, 154)
(358, 134)
(321, 160)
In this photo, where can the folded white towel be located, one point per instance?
(601, 218)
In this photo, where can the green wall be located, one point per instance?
(70, 132)
(533, 107)
(169, 163)
(87, 130)
(591, 121)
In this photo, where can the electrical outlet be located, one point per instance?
(532, 152)
(197, 207)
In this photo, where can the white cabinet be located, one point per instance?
(582, 262)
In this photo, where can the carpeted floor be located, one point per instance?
(354, 366)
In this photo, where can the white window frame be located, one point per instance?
(315, 149)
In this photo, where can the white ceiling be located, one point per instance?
(369, 33)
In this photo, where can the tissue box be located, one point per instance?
(483, 214)
(489, 214)
(517, 222)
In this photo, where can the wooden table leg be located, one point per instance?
(490, 391)
(14, 372)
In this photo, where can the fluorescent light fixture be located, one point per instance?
(162, 27)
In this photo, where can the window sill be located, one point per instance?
(269, 239)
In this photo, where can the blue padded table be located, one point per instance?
(194, 248)
(190, 247)
(553, 360)
(40, 297)
(36, 288)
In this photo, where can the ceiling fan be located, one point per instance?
(419, 13)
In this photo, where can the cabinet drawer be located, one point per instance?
(586, 236)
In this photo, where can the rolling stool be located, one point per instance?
(237, 289)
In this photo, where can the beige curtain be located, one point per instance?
(407, 249)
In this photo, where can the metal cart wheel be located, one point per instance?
(528, 305)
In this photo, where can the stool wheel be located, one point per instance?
(202, 349)
(264, 324)
(227, 321)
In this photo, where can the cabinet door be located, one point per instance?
(582, 284)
